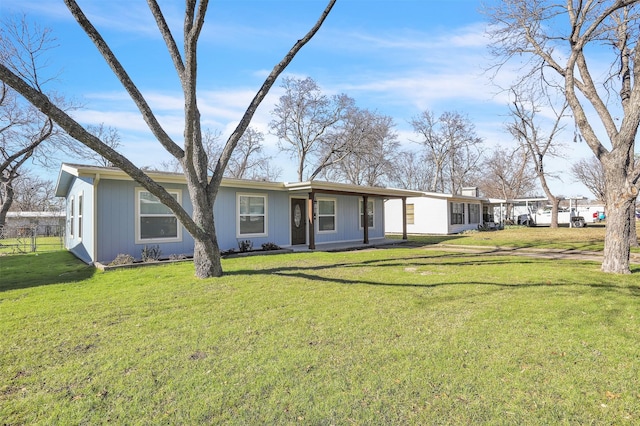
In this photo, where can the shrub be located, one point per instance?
(174, 256)
(245, 245)
(122, 259)
(151, 254)
(270, 246)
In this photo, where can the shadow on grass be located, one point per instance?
(33, 270)
(496, 258)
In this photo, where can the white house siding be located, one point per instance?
(116, 219)
(431, 215)
(81, 246)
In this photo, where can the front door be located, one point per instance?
(298, 221)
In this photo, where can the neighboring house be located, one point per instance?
(107, 213)
(435, 213)
(24, 224)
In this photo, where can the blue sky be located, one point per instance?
(396, 57)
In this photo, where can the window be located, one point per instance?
(72, 217)
(252, 215)
(370, 206)
(80, 198)
(410, 214)
(326, 215)
(457, 213)
(155, 222)
(474, 213)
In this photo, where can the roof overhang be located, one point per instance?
(70, 171)
(321, 187)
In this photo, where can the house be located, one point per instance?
(437, 213)
(49, 223)
(107, 213)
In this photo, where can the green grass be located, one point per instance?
(23, 245)
(590, 238)
(388, 336)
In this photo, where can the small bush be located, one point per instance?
(245, 246)
(151, 254)
(122, 259)
(270, 246)
(174, 256)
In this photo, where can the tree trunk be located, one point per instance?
(633, 232)
(206, 252)
(6, 204)
(619, 199)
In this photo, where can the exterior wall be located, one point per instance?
(80, 245)
(348, 220)
(431, 216)
(115, 220)
(226, 218)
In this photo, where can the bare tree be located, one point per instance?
(34, 194)
(107, 134)
(565, 44)
(22, 131)
(526, 129)
(304, 120)
(372, 148)
(508, 174)
(590, 173)
(411, 171)
(249, 161)
(451, 146)
(192, 156)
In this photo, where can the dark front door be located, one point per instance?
(298, 221)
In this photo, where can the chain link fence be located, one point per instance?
(29, 239)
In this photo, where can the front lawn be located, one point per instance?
(387, 336)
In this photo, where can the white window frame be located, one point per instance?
(80, 205)
(334, 215)
(138, 217)
(361, 212)
(72, 217)
(265, 215)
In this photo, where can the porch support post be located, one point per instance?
(311, 215)
(404, 218)
(365, 219)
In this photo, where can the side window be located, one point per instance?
(72, 217)
(80, 209)
(326, 215)
(155, 222)
(457, 213)
(252, 215)
(410, 214)
(474, 213)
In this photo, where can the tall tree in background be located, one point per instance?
(508, 174)
(527, 130)
(411, 171)
(590, 50)
(107, 134)
(192, 155)
(372, 148)
(247, 161)
(590, 173)
(34, 194)
(451, 146)
(304, 120)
